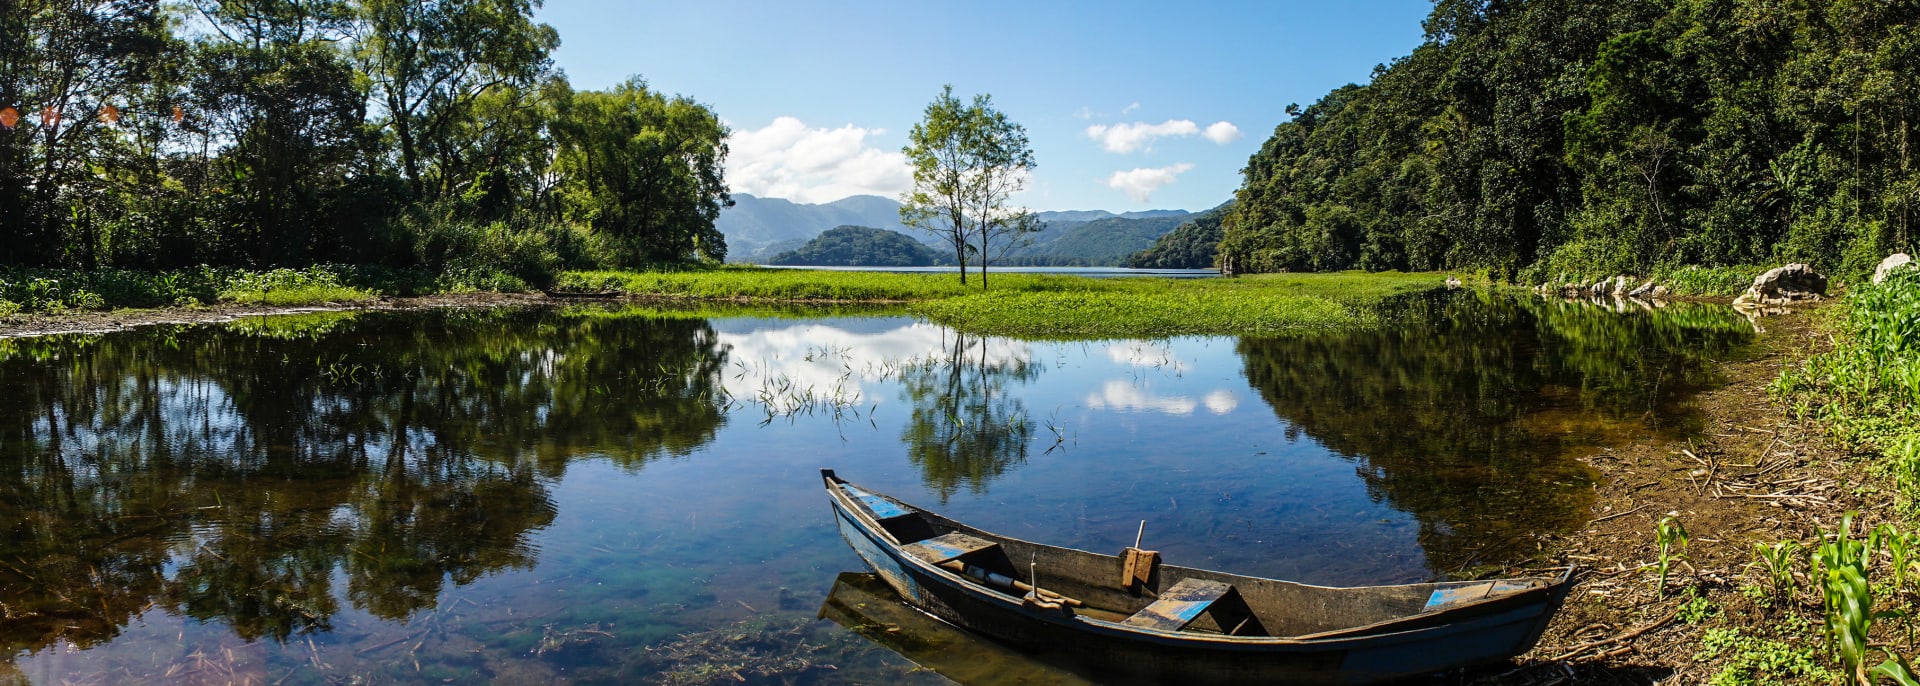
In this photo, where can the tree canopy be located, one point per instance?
(1542, 138)
(968, 161)
(408, 133)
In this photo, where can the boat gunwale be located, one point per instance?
(847, 505)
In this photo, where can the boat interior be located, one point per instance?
(1135, 590)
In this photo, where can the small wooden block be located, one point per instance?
(1180, 605)
(942, 548)
(1138, 567)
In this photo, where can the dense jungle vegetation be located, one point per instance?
(156, 135)
(1548, 138)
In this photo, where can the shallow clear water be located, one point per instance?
(604, 496)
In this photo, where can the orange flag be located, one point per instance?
(49, 116)
(109, 114)
(9, 117)
(179, 113)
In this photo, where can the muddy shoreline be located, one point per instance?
(43, 324)
(1752, 475)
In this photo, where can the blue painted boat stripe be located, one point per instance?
(881, 507)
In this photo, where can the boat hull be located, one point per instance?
(1109, 648)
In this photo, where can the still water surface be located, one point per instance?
(599, 495)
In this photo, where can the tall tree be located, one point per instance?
(644, 170)
(968, 161)
(430, 60)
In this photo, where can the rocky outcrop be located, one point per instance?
(1782, 285)
(1894, 262)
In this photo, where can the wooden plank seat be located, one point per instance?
(1180, 605)
(951, 546)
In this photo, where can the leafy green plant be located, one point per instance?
(1777, 562)
(1753, 660)
(1842, 565)
(1672, 539)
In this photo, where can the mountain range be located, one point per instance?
(759, 228)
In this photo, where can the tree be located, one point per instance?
(644, 170)
(430, 60)
(968, 161)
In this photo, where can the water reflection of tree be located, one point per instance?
(229, 477)
(966, 428)
(1463, 413)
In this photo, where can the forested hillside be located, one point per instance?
(156, 135)
(1105, 242)
(861, 246)
(1557, 137)
(1191, 245)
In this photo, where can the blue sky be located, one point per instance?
(1129, 105)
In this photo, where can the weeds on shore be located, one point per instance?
(60, 290)
(1867, 390)
(1672, 539)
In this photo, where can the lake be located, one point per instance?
(597, 494)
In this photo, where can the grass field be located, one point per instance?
(1050, 306)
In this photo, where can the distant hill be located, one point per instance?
(861, 246)
(754, 225)
(761, 229)
(1104, 242)
(1191, 245)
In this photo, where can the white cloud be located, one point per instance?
(1140, 184)
(1124, 111)
(1222, 132)
(1121, 396)
(1221, 401)
(1125, 138)
(786, 159)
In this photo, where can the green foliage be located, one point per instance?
(1776, 561)
(1672, 539)
(1841, 563)
(644, 170)
(1191, 245)
(1042, 306)
(290, 287)
(1753, 660)
(968, 160)
(1697, 609)
(1867, 390)
(862, 246)
(390, 134)
(1602, 138)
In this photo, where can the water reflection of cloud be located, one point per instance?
(835, 361)
(1123, 396)
(1146, 354)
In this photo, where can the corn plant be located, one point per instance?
(1899, 548)
(1842, 563)
(1777, 561)
(1672, 539)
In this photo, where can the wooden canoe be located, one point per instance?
(1132, 616)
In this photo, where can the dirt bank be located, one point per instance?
(1753, 475)
(116, 320)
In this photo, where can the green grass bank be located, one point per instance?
(63, 290)
(1049, 306)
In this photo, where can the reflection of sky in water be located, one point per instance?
(649, 545)
(1123, 431)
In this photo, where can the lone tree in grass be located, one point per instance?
(968, 161)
